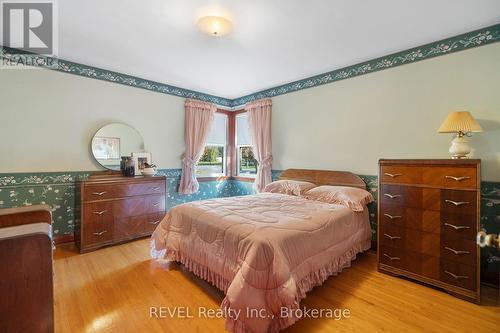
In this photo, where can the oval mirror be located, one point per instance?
(113, 141)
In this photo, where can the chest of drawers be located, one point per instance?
(115, 209)
(428, 217)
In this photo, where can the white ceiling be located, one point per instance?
(273, 42)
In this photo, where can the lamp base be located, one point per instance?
(459, 148)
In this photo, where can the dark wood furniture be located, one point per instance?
(324, 177)
(26, 286)
(428, 213)
(115, 209)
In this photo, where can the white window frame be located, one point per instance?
(224, 156)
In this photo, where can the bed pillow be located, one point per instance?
(290, 187)
(352, 197)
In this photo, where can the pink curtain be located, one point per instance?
(199, 118)
(259, 121)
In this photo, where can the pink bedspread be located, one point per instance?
(265, 251)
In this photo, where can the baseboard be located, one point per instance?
(64, 239)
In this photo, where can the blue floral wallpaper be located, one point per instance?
(57, 189)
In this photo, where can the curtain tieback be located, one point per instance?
(266, 162)
(188, 161)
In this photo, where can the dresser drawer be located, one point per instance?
(412, 218)
(417, 263)
(100, 192)
(390, 174)
(392, 215)
(410, 240)
(459, 250)
(155, 203)
(439, 176)
(459, 275)
(410, 196)
(97, 232)
(152, 221)
(459, 202)
(459, 225)
(128, 207)
(113, 191)
(128, 227)
(98, 212)
(450, 177)
(394, 195)
(394, 257)
(392, 236)
(144, 188)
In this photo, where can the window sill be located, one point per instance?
(224, 178)
(244, 179)
(212, 179)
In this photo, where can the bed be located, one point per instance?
(265, 251)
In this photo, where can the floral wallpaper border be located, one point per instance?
(465, 41)
(11, 57)
(458, 43)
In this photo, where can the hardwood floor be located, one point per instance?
(112, 290)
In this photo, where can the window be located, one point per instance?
(212, 162)
(247, 165)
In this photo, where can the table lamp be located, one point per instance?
(462, 123)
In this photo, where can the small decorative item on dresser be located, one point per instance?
(128, 167)
(428, 219)
(149, 170)
(462, 123)
(140, 160)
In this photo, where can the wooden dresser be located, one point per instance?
(114, 209)
(428, 217)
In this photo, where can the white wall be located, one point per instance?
(48, 118)
(395, 113)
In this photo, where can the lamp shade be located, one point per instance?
(460, 121)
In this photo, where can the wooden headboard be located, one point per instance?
(324, 177)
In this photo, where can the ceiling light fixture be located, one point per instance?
(215, 25)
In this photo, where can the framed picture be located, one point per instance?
(105, 148)
(139, 160)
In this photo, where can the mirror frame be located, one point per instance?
(119, 158)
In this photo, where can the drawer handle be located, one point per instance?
(391, 258)
(99, 193)
(392, 217)
(156, 204)
(156, 188)
(100, 233)
(457, 252)
(392, 196)
(393, 175)
(392, 237)
(456, 277)
(457, 203)
(458, 179)
(101, 212)
(457, 227)
(154, 222)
